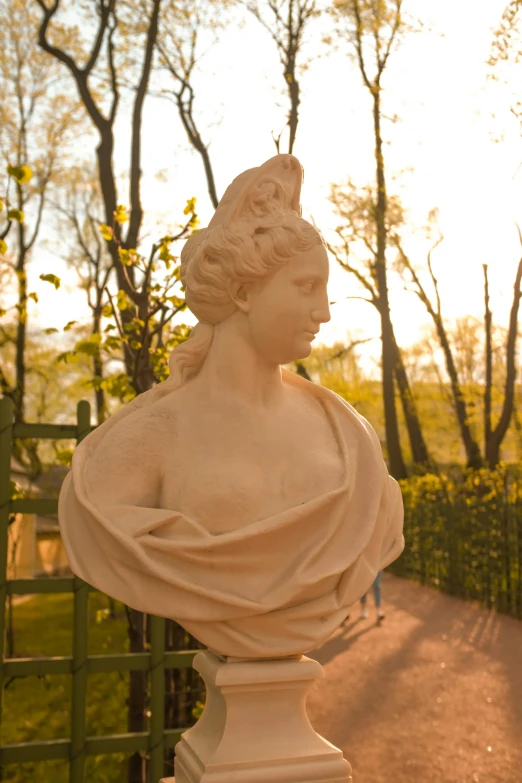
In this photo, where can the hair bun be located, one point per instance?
(191, 249)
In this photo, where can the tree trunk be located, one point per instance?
(293, 91)
(419, 450)
(302, 371)
(498, 434)
(97, 368)
(26, 451)
(488, 362)
(396, 461)
(473, 455)
(137, 701)
(21, 333)
(183, 687)
(195, 139)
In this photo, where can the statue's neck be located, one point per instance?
(234, 368)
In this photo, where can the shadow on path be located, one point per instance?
(427, 693)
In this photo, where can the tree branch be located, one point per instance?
(136, 215)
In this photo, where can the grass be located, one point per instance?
(38, 708)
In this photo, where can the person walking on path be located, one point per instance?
(376, 587)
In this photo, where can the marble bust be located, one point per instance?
(246, 503)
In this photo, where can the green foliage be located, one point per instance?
(106, 231)
(53, 279)
(119, 386)
(190, 209)
(64, 456)
(463, 532)
(16, 214)
(39, 708)
(139, 329)
(22, 174)
(90, 346)
(15, 491)
(120, 214)
(197, 711)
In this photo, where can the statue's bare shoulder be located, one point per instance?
(129, 458)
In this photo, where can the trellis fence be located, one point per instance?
(79, 664)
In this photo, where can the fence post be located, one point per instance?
(157, 699)
(79, 653)
(6, 429)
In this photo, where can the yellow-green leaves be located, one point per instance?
(3, 247)
(134, 326)
(112, 343)
(51, 330)
(64, 456)
(120, 214)
(191, 206)
(68, 325)
(34, 296)
(107, 311)
(119, 386)
(164, 251)
(22, 174)
(53, 279)
(122, 301)
(89, 347)
(1, 205)
(15, 491)
(128, 257)
(106, 232)
(175, 301)
(16, 214)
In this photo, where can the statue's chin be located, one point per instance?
(295, 356)
(303, 352)
(293, 353)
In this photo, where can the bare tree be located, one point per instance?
(109, 61)
(179, 48)
(286, 21)
(358, 212)
(372, 29)
(36, 121)
(473, 454)
(494, 436)
(101, 105)
(80, 206)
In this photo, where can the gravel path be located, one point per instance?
(433, 695)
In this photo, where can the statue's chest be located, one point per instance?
(227, 476)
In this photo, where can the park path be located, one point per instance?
(433, 695)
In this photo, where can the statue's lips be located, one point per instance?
(311, 335)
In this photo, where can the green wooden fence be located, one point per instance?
(79, 665)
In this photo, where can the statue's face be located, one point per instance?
(287, 308)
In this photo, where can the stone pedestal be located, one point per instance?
(254, 728)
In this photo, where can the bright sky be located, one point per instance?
(443, 144)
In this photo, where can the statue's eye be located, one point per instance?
(307, 287)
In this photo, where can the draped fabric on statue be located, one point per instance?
(278, 586)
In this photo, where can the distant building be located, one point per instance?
(35, 546)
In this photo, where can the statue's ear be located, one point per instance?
(240, 293)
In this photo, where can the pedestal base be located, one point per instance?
(254, 728)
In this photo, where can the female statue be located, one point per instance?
(246, 503)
